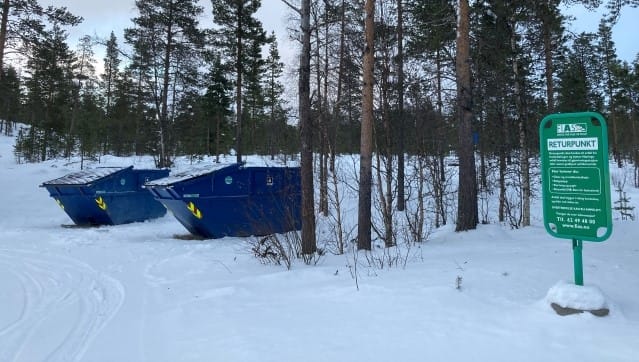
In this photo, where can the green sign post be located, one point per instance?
(575, 180)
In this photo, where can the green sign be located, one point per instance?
(574, 176)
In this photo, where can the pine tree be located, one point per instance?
(111, 70)
(579, 77)
(493, 96)
(627, 104)
(401, 198)
(22, 24)
(431, 42)
(519, 92)
(239, 32)
(309, 242)
(273, 100)
(615, 6)
(366, 141)
(550, 23)
(126, 131)
(83, 82)
(50, 96)
(10, 99)
(89, 117)
(167, 44)
(216, 106)
(467, 213)
(609, 60)
(254, 116)
(347, 108)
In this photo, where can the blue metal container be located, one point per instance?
(233, 200)
(107, 195)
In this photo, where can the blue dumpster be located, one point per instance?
(107, 195)
(233, 199)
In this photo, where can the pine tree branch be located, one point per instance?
(297, 10)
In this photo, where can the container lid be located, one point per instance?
(85, 177)
(189, 174)
(199, 171)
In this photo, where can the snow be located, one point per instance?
(135, 292)
(567, 294)
(188, 174)
(201, 170)
(84, 177)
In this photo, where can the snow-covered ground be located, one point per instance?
(136, 293)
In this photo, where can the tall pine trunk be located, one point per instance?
(635, 141)
(385, 185)
(467, 213)
(503, 149)
(322, 99)
(326, 119)
(524, 163)
(3, 33)
(439, 176)
(401, 197)
(239, 69)
(366, 135)
(309, 245)
(164, 122)
(548, 48)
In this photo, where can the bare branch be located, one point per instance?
(297, 10)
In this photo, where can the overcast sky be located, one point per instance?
(103, 16)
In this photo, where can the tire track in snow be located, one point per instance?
(52, 290)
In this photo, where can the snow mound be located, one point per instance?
(569, 295)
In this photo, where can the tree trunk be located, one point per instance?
(326, 117)
(216, 149)
(550, 89)
(272, 125)
(366, 140)
(309, 245)
(440, 173)
(401, 197)
(502, 168)
(613, 119)
(340, 81)
(386, 192)
(523, 147)
(3, 33)
(635, 151)
(438, 193)
(322, 98)
(72, 119)
(139, 119)
(467, 213)
(164, 159)
(239, 68)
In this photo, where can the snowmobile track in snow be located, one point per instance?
(54, 290)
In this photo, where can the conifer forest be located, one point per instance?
(402, 84)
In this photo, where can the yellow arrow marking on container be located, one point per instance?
(59, 203)
(194, 210)
(101, 203)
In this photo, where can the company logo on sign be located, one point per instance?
(571, 129)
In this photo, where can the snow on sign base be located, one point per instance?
(575, 182)
(566, 298)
